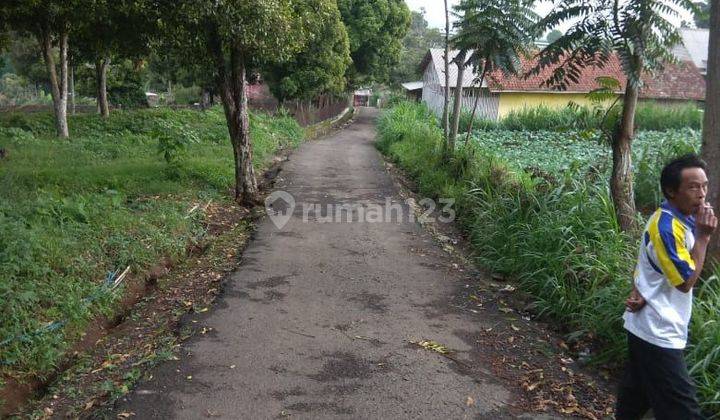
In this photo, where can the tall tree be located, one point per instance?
(415, 46)
(111, 31)
(235, 34)
(711, 123)
(498, 32)
(376, 29)
(460, 61)
(320, 67)
(639, 34)
(446, 90)
(50, 22)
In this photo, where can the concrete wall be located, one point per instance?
(517, 100)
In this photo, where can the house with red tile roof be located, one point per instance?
(499, 94)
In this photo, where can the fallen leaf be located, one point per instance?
(433, 346)
(470, 402)
(89, 405)
(514, 327)
(125, 415)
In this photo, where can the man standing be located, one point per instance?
(670, 261)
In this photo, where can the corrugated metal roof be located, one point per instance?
(435, 57)
(413, 85)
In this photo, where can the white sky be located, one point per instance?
(435, 11)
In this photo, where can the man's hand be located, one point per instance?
(705, 222)
(635, 301)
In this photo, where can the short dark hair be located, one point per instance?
(671, 175)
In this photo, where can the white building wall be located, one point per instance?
(433, 95)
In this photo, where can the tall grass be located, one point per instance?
(649, 116)
(556, 236)
(72, 210)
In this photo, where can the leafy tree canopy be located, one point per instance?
(321, 66)
(415, 45)
(376, 29)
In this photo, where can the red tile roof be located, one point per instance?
(675, 81)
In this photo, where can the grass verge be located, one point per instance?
(73, 210)
(557, 236)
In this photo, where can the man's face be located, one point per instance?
(691, 193)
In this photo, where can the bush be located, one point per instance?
(186, 95)
(479, 123)
(553, 119)
(657, 117)
(649, 116)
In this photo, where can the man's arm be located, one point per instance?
(706, 223)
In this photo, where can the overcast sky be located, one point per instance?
(435, 11)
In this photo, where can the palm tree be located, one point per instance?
(639, 33)
(498, 32)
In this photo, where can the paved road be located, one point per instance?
(317, 322)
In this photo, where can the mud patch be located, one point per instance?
(307, 407)
(371, 301)
(343, 365)
(269, 283)
(283, 395)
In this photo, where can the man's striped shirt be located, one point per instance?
(664, 262)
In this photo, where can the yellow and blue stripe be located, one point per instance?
(667, 232)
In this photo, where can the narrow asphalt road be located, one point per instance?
(318, 320)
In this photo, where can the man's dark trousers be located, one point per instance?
(657, 378)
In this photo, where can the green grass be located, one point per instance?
(556, 235)
(73, 210)
(650, 116)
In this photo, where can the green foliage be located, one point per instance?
(71, 211)
(701, 15)
(415, 45)
(376, 29)
(653, 116)
(547, 118)
(552, 227)
(649, 116)
(320, 67)
(479, 123)
(124, 86)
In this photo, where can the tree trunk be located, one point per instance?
(233, 92)
(477, 98)
(621, 181)
(72, 89)
(446, 103)
(457, 105)
(101, 67)
(711, 123)
(58, 87)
